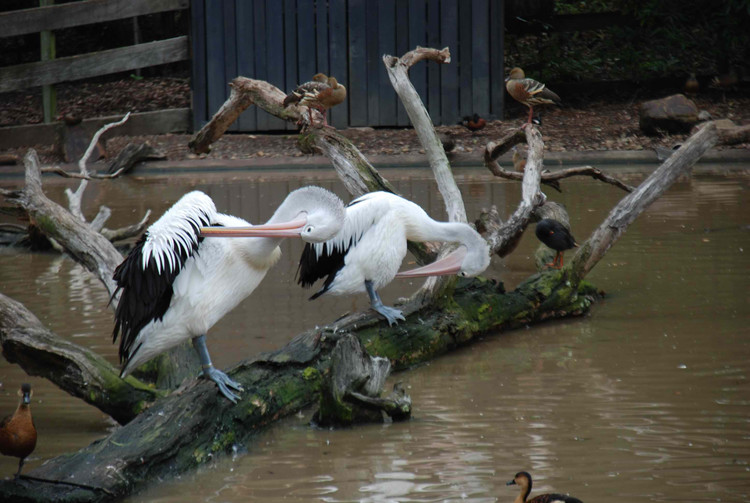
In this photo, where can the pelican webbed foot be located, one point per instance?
(224, 382)
(389, 313)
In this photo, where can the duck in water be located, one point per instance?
(17, 432)
(523, 480)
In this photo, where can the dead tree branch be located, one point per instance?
(632, 205)
(398, 69)
(86, 246)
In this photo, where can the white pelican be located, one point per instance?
(367, 251)
(176, 285)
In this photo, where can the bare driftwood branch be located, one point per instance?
(75, 198)
(494, 150)
(637, 201)
(244, 92)
(75, 369)
(398, 73)
(504, 237)
(130, 156)
(127, 232)
(85, 245)
(549, 176)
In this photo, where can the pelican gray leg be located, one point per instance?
(390, 313)
(220, 378)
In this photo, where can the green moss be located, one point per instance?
(224, 442)
(46, 225)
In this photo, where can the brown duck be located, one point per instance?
(17, 432)
(320, 93)
(529, 91)
(523, 480)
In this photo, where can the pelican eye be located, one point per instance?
(309, 229)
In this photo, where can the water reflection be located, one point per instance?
(644, 399)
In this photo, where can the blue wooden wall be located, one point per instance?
(286, 42)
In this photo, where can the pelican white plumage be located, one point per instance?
(366, 252)
(175, 285)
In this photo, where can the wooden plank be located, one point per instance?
(418, 36)
(198, 67)
(463, 53)
(176, 120)
(338, 53)
(94, 64)
(357, 90)
(48, 52)
(291, 77)
(307, 65)
(433, 70)
(497, 59)
(449, 73)
(230, 50)
(321, 33)
(20, 22)
(245, 56)
(480, 57)
(374, 63)
(261, 68)
(402, 47)
(216, 85)
(387, 97)
(275, 51)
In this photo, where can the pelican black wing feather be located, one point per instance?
(313, 267)
(146, 288)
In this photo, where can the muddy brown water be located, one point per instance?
(644, 399)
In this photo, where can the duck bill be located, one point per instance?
(290, 229)
(450, 264)
(26, 398)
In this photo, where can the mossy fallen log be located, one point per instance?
(195, 424)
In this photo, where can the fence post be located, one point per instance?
(47, 44)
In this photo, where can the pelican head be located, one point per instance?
(311, 213)
(471, 258)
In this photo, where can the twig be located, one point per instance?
(74, 198)
(504, 237)
(128, 231)
(552, 176)
(636, 202)
(57, 170)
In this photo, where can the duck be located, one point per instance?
(473, 123)
(17, 432)
(523, 480)
(529, 92)
(557, 236)
(691, 86)
(321, 93)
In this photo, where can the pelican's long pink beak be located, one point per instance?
(289, 229)
(450, 264)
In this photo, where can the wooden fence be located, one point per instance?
(54, 17)
(287, 41)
